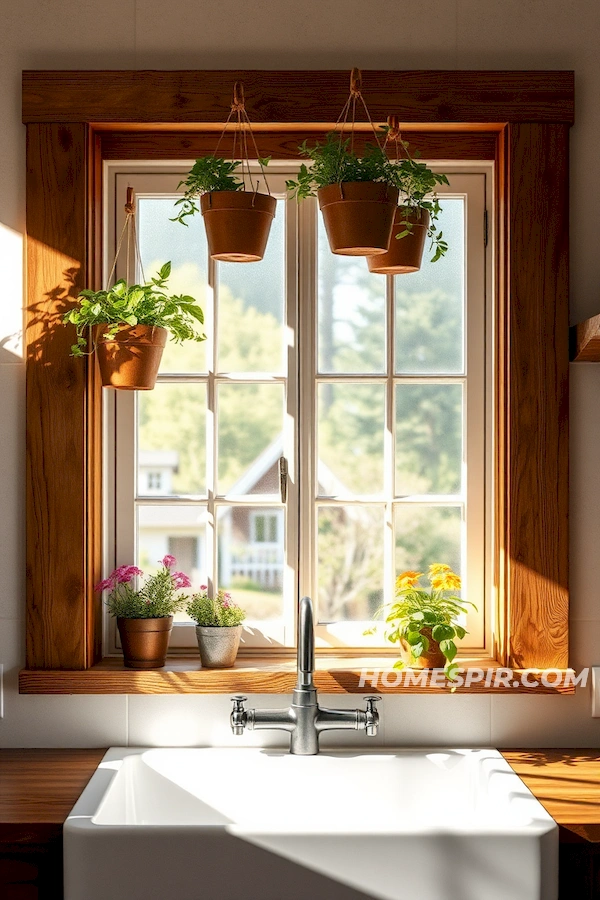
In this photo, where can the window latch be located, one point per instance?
(283, 477)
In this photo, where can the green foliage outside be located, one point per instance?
(351, 338)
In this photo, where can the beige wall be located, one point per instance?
(471, 34)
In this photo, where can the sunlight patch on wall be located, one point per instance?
(11, 308)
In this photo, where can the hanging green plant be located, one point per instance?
(339, 174)
(236, 215)
(129, 323)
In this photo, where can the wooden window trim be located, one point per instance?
(76, 119)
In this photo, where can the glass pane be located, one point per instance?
(162, 240)
(351, 313)
(350, 562)
(430, 303)
(251, 558)
(172, 440)
(176, 530)
(251, 308)
(428, 438)
(250, 422)
(426, 535)
(351, 430)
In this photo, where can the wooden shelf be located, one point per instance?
(265, 675)
(584, 340)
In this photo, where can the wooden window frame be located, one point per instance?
(75, 120)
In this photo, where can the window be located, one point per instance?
(373, 388)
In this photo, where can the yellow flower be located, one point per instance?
(446, 582)
(438, 568)
(407, 579)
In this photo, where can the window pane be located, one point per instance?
(430, 303)
(162, 240)
(251, 308)
(172, 440)
(426, 535)
(251, 559)
(250, 421)
(351, 431)
(350, 562)
(351, 313)
(428, 438)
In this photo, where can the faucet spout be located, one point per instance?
(306, 644)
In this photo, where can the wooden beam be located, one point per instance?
(296, 96)
(284, 144)
(57, 398)
(536, 395)
(585, 340)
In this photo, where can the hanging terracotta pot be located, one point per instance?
(404, 254)
(237, 224)
(145, 641)
(129, 361)
(358, 216)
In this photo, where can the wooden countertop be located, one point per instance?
(39, 787)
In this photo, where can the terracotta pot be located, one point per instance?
(237, 224)
(358, 216)
(145, 641)
(218, 645)
(129, 361)
(433, 659)
(404, 254)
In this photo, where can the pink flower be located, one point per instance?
(225, 603)
(104, 585)
(203, 587)
(124, 574)
(168, 561)
(180, 580)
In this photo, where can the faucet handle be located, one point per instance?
(238, 717)
(372, 716)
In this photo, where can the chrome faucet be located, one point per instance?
(305, 719)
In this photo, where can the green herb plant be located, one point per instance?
(156, 598)
(208, 174)
(136, 304)
(219, 611)
(417, 613)
(333, 162)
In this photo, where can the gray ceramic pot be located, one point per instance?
(218, 646)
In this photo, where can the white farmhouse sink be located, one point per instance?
(210, 824)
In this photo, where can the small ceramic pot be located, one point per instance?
(433, 659)
(129, 361)
(218, 646)
(358, 216)
(237, 224)
(404, 254)
(145, 641)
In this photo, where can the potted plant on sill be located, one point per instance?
(237, 221)
(218, 627)
(416, 216)
(145, 616)
(130, 325)
(425, 622)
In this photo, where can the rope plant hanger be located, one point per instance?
(357, 194)
(130, 322)
(236, 215)
(417, 214)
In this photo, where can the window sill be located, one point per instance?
(269, 675)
